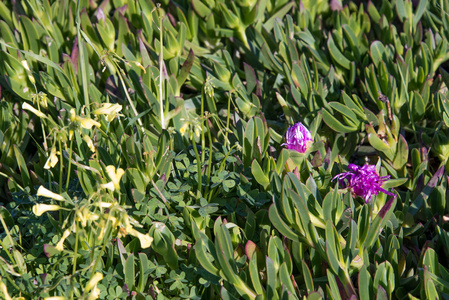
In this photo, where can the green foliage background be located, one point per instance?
(207, 90)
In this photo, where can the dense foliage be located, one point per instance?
(143, 150)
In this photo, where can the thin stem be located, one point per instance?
(43, 127)
(61, 166)
(76, 248)
(227, 119)
(203, 141)
(70, 164)
(209, 164)
(161, 77)
(129, 100)
(198, 164)
(81, 58)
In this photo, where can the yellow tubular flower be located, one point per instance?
(38, 113)
(89, 143)
(109, 186)
(55, 298)
(4, 290)
(145, 239)
(60, 245)
(95, 294)
(108, 109)
(52, 159)
(30, 77)
(115, 175)
(85, 122)
(39, 209)
(93, 282)
(49, 194)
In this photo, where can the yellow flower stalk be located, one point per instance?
(108, 109)
(60, 244)
(49, 194)
(93, 282)
(39, 209)
(85, 122)
(38, 113)
(52, 159)
(89, 143)
(115, 175)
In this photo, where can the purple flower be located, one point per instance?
(298, 138)
(363, 181)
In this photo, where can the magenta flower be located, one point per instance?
(298, 138)
(363, 181)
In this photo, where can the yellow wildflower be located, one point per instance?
(52, 159)
(49, 194)
(39, 209)
(38, 113)
(108, 109)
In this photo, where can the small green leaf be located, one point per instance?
(336, 54)
(336, 125)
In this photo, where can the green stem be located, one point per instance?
(161, 77)
(227, 120)
(81, 57)
(76, 248)
(198, 164)
(43, 127)
(70, 164)
(209, 164)
(61, 166)
(203, 141)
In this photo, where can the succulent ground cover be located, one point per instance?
(210, 149)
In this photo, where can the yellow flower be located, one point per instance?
(39, 209)
(115, 176)
(89, 143)
(184, 128)
(145, 239)
(52, 159)
(93, 282)
(30, 77)
(38, 113)
(49, 194)
(95, 294)
(85, 122)
(55, 298)
(4, 290)
(60, 244)
(108, 109)
(109, 185)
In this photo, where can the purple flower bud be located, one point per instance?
(363, 181)
(298, 138)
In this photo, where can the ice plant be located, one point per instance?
(298, 138)
(363, 181)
